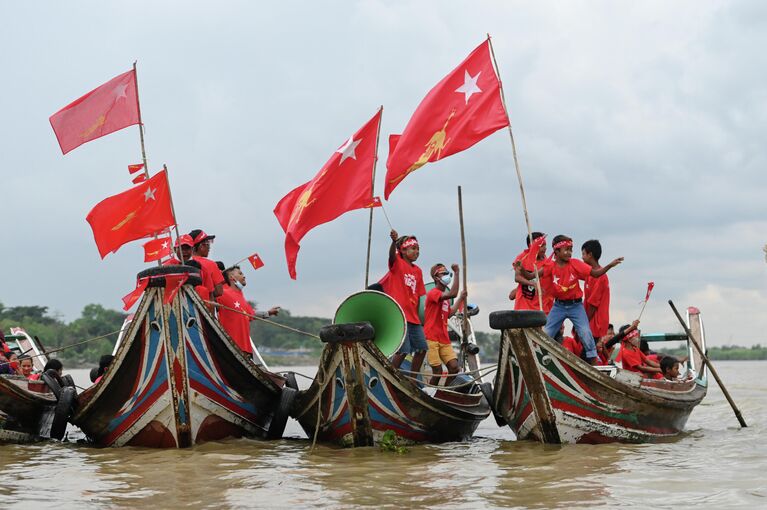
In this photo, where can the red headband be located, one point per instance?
(562, 244)
(411, 241)
(631, 335)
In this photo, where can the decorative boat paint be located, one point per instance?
(547, 393)
(177, 380)
(358, 395)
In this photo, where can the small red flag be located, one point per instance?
(132, 169)
(133, 214)
(458, 112)
(650, 286)
(532, 252)
(343, 184)
(139, 178)
(173, 283)
(255, 261)
(103, 110)
(157, 249)
(376, 202)
(130, 299)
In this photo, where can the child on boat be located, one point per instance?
(26, 366)
(563, 277)
(437, 310)
(669, 366)
(596, 291)
(404, 283)
(632, 358)
(526, 293)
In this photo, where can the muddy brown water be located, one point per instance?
(715, 464)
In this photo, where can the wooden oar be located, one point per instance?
(709, 365)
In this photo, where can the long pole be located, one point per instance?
(519, 172)
(172, 206)
(465, 327)
(372, 186)
(705, 359)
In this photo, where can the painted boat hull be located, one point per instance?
(548, 394)
(358, 395)
(177, 380)
(29, 413)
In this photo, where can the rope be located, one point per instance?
(486, 371)
(452, 386)
(46, 353)
(294, 330)
(321, 384)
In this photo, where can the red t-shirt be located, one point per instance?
(632, 358)
(435, 315)
(527, 295)
(404, 283)
(596, 293)
(564, 279)
(210, 273)
(173, 261)
(572, 345)
(236, 324)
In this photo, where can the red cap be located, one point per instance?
(185, 239)
(199, 236)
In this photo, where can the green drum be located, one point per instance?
(382, 312)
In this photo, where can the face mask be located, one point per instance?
(446, 280)
(238, 285)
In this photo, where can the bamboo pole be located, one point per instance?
(519, 173)
(172, 206)
(372, 195)
(465, 325)
(705, 359)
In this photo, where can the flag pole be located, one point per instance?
(519, 173)
(465, 325)
(172, 206)
(372, 187)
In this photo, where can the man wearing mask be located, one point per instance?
(212, 279)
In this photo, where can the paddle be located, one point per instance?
(709, 365)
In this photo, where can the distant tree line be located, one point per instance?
(726, 352)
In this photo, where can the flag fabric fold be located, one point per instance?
(103, 110)
(650, 287)
(157, 249)
(132, 169)
(458, 112)
(343, 184)
(256, 261)
(130, 299)
(138, 179)
(173, 283)
(138, 212)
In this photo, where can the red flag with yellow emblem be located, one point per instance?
(458, 112)
(133, 214)
(103, 110)
(343, 184)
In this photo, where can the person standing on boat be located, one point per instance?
(183, 250)
(237, 324)
(437, 310)
(404, 283)
(526, 294)
(596, 291)
(211, 275)
(564, 276)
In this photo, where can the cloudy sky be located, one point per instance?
(641, 124)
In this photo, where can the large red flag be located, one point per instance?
(458, 112)
(103, 110)
(133, 214)
(343, 184)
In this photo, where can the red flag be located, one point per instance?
(157, 249)
(133, 214)
(376, 202)
(531, 258)
(458, 112)
(650, 286)
(138, 179)
(101, 111)
(132, 169)
(130, 299)
(255, 261)
(343, 184)
(173, 283)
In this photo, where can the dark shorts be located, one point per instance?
(415, 340)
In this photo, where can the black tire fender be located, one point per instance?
(351, 332)
(290, 380)
(52, 382)
(281, 413)
(515, 319)
(62, 412)
(157, 275)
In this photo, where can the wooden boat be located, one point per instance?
(357, 395)
(32, 410)
(545, 392)
(178, 379)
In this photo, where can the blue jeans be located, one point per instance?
(577, 315)
(415, 340)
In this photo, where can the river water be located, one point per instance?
(714, 464)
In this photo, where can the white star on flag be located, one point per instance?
(165, 245)
(236, 304)
(120, 92)
(469, 86)
(149, 194)
(347, 149)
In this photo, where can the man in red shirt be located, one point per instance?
(235, 323)
(564, 276)
(212, 279)
(526, 296)
(404, 283)
(633, 359)
(596, 292)
(183, 251)
(437, 310)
